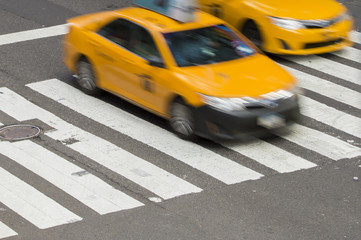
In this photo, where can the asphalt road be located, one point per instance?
(322, 202)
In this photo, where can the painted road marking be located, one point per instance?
(349, 53)
(5, 231)
(88, 189)
(33, 34)
(355, 36)
(31, 204)
(326, 88)
(328, 66)
(271, 156)
(330, 116)
(99, 150)
(321, 143)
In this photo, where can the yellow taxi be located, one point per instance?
(203, 76)
(287, 26)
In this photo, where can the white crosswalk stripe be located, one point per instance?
(330, 67)
(85, 187)
(276, 158)
(31, 204)
(126, 164)
(349, 53)
(331, 116)
(326, 88)
(322, 143)
(5, 231)
(356, 37)
(33, 34)
(99, 196)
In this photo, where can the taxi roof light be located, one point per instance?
(180, 10)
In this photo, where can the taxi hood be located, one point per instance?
(302, 9)
(250, 76)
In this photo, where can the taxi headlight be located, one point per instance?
(289, 24)
(237, 104)
(224, 104)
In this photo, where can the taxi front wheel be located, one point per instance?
(182, 121)
(86, 78)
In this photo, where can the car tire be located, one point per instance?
(182, 120)
(86, 78)
(252, 32)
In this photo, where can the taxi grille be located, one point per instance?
(322, 44)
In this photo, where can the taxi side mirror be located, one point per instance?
(156, 61)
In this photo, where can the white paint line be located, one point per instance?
(331, 116)
(349, 53)
(105, 153)
(328, 66)
(356, 36)
(271, 156)
(88, 189)
(192, 154)
(326, 88)
(5, 231)
(31, 204)
(33, 34)
(322, 143)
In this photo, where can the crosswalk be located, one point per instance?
(100, 197)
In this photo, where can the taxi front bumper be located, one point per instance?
(215, 124)
(307, 41)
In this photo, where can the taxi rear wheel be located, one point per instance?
(86, 78)
(182, 121)
(252, 32)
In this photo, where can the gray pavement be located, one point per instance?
(322, 203)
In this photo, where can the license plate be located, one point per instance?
(271, 121)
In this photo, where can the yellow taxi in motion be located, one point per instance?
(287, 26)
(201, 75)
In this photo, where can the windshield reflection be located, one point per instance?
(206, 46)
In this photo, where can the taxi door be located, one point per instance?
(111, 56)
(148, 77)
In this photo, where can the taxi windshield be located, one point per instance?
(207, 45)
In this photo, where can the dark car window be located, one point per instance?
(143, 44)
(207, 45)
(132, 37)
(118, 31)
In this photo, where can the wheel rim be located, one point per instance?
(86, 76)
(181, 119)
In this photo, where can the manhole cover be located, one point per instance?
(19, 132)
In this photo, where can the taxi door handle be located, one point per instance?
(93, 43)
(105, 56)
(128, 60)
(145, 76)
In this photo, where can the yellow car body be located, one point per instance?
(286, 26)
(157, 85)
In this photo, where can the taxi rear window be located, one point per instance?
(207, 45)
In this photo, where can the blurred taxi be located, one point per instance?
(287, 26)
(198, 73)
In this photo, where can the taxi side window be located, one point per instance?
(118, 31)
(143, 45)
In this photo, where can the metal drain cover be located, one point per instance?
(19, 132)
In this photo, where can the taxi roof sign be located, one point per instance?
(180, 10)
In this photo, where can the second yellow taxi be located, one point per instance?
(287, 26)
(201, 75)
